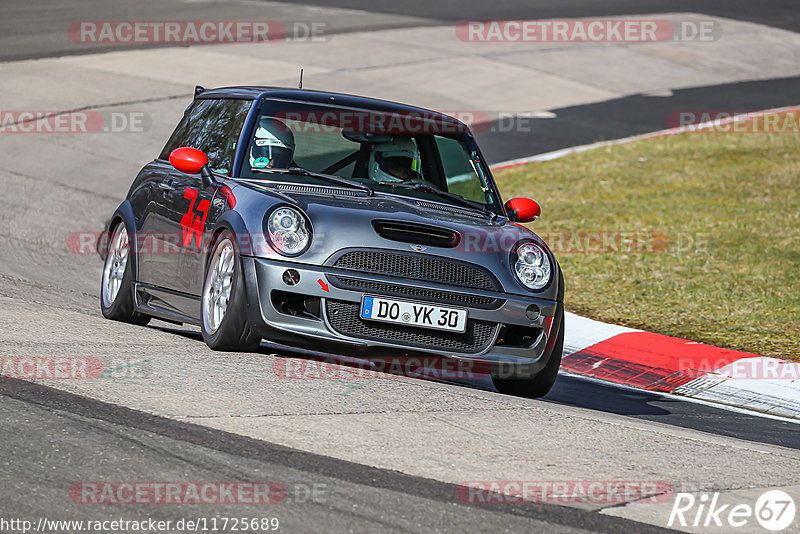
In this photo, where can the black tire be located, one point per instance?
(233, 332)
(540, 384)
(119, 306)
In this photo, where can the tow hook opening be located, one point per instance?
(297, 305)
(518, 336)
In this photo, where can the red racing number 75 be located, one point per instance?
(191, 222)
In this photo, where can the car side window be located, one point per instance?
(220, 134)
(212, 126)
(192, 122)
(462, 177)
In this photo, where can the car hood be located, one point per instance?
(345, 220)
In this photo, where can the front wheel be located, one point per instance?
(540, 384)
(224, 307)
(116, 291)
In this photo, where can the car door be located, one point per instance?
(158, 241)
(189, 206)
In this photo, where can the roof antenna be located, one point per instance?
(301, 79)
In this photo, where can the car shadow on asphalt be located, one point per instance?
(594, 395)
(590, 394)
(568, 390)
(363, 365)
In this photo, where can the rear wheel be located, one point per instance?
(116, 291)
(224, 307)
(541, 383)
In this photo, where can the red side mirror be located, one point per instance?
(523, 210)
(188, 160)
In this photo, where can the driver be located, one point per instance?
(272, 146)
(395, 161)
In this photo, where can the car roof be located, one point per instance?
(320, 97)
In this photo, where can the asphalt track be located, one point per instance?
(31, 30)
(322, 494)
(778, 13)
(89, 439)
(36, 31)
(627, 116)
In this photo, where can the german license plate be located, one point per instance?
(414, 314)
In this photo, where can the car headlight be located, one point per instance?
(288, 232)
(532, 266)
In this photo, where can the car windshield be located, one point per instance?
(424, 157)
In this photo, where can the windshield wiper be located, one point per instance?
(458, 199)
(300, 171)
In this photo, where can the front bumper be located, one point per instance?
(493, 316)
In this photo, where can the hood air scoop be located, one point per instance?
(417, 234)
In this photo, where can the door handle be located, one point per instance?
(166, 186)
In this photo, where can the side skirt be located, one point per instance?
(172, 306)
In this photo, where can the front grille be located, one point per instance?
(344, 318)
(432, 295)
(417, 268)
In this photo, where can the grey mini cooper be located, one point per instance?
(343, 224)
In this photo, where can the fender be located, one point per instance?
(123, 213)
(232, 220)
